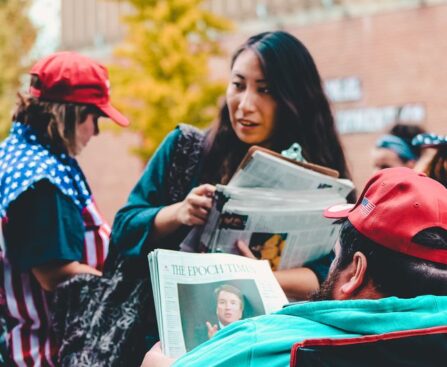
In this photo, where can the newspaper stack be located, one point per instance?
(276, 207)
(197, 294)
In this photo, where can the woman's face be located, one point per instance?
(84, 131)
(250, 103)
(387, 158)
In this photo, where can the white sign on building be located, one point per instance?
(363, 120)
(347, 89)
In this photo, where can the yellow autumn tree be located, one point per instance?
(17, 36)
(162, 77)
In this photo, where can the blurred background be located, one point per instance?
(382, 62)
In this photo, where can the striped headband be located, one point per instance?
(397, 145)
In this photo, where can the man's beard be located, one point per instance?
(326, 291)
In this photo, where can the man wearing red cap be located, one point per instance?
(389, 276)
(50, 227)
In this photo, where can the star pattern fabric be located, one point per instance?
(429, 140)
(25, 161)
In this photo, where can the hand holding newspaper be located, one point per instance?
(275, 206)
(198, 294)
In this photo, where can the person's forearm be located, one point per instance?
(297, 283)
(165, 222)
(50, 275)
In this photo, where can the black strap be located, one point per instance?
(185, 160)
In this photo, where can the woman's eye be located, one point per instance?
(237, 85)
(265, 90)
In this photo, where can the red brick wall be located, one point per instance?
(400, 58)
(111, 169)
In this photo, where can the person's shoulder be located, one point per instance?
(44, 194)
(183, 140)
(215, 350)
(182, 132)
(169, 143)
(189, 130)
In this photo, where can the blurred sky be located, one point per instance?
(46, 16)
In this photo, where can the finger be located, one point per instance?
(199, 212)
(195, 221)
(205, 189)
(211, 328)
(198, 200)
(156, 347)
(96, 272)
(244, 250)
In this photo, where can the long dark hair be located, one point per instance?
(304, 115)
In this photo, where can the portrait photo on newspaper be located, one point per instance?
(206, 308)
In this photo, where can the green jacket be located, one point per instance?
(267, 340)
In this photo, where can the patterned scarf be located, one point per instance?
(24, 161)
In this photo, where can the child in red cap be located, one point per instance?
(50, 227)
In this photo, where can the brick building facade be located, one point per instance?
(399, 59)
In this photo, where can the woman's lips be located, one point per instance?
(247, 123)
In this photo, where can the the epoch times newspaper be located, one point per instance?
(198, 294)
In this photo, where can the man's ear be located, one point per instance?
(354, 277)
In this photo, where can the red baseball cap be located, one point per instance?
(395, 205)
(71, 77)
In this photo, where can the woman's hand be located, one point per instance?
(191, 211)
(156, 358)
(244, 250)
(194, 209)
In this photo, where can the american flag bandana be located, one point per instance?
(366, 207)
(24, 161)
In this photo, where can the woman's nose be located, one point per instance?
(247, 102)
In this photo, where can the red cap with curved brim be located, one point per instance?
(71, 77)
(395, 205)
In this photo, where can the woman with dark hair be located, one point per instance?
(50, 227)
(274, 99)
(302, 112)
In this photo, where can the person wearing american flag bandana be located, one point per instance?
(50, 227)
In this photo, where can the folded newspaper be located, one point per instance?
(276, 207)
(198, 294)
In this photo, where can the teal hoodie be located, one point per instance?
(267, 340)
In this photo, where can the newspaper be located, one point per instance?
(266, 170)
(197, 294)
(275, 207)
(286, 228)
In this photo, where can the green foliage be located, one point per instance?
(162, 77)
(17, 36)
